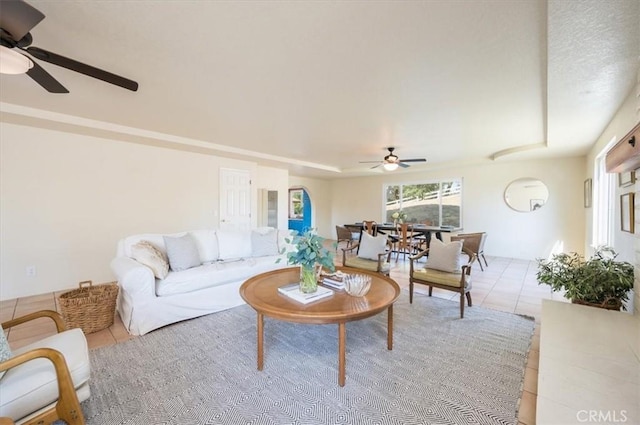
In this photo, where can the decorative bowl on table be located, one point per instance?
(357, 285)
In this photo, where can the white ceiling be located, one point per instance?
(318, 86)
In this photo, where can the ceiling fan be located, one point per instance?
(392, 162)
(17, 18)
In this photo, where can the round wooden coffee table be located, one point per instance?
(261, 293)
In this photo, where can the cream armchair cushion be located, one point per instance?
(31, 388)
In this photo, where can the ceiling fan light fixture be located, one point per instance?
(12, 62)
(390, 166)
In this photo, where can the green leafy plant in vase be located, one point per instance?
(311, 255)
(600, 281)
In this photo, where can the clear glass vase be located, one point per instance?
(308, 280)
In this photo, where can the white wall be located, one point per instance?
(510, 233)
(66, 199)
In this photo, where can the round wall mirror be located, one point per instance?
(526, 194)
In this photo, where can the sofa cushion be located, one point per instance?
(182, 252)
(371, 246)
(234, 244)
(145, 253)
(445, 257)
(264, 243)
(207, 243)
(18, 394)
(216, 274)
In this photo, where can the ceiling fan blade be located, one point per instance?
(42, 77)
(82, 68)
(369, 162)
(375, 166)
(413, 160)
(403, 165)
(18, 17)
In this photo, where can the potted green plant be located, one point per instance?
(600, 281)
(311, 255)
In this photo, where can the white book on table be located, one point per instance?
(293, 291)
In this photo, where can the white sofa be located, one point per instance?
(226, 259)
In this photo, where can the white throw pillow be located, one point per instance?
(371, 246)
(234, 244)
(207, 244)
(445, 257)
(263, 244)
(145, 253)
(182, 252)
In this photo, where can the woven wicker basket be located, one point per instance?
(90, 308)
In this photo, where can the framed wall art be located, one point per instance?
(627, 212)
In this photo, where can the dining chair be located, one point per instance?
(369, 226)
(406, 242)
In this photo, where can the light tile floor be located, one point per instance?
(506, 284)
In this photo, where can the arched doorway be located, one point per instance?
(300, 209)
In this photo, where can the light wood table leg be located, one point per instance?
(260, 341)
(390, 328)
(342, 337)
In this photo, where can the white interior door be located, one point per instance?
(235, 199)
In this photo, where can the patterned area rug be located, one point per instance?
(442, 370)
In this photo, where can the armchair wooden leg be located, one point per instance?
(430, 290)
(462, 306)
(481, 268)
(469, 303)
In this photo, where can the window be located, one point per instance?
(603, 208)
(435, 203)
(296, 204)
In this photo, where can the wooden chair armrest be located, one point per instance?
(419, 255)
(415, 257)
(68, 407)
(466, 269)
(381, 257)
(53, 315)
(354, 246)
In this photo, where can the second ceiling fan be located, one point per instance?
(392, 161)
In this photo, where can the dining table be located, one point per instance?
(421, 229)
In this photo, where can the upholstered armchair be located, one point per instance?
(372, 254)
(445, 269)
(46, 380)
